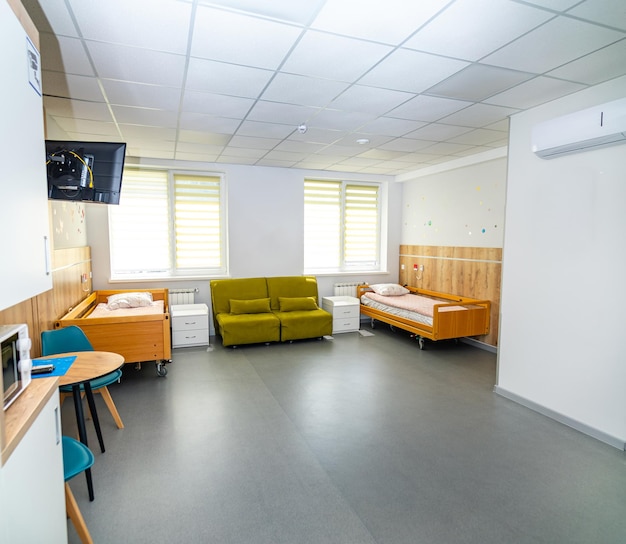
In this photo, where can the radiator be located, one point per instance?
(182, 296)
(347, 289)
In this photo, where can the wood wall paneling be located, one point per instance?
(42, 311)
(466, 271)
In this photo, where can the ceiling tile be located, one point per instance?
(411, 71)
(389, 126)
(137, 65)
(369, 100)
(479, 136)
(145, 116)
(437, 132)
(318, 135)
(428, 108)
(208, 123)
(389, 22)
(124, 93)
(299, 147)
(303, 90)
(80, 109)
(156, 136)
(213, 38)
(72, 124)
(63, 54)
(333, 57)
(274, 112)
(164, 23)
(607, 12)
(71, 86)
(299, 11)
(568, 39)
(555, 5)
(605, 64)
(198, 157)
(406, 145)
(216, 104)
(477, 82)
(56, 17)
(532, 93)
(479, 115)
(474, 28)
(264, 130)
(218, 77)
(339, 120)
(250, 141)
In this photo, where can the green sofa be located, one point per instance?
(276, 309)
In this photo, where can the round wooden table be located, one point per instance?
(87, 366)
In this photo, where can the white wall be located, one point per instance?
(265, 227)
(461, 207)
(561, 349)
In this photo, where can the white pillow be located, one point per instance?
(389, 289)
(129, 300)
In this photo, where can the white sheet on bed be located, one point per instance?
(101, 310)
(414, 307)
(369, 301)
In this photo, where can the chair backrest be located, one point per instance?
(62, 340)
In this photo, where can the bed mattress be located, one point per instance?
(414, 307)
(101, 310)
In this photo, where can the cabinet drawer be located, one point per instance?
(195, 337)
(347, 324)
(189, 323)
(345, 311)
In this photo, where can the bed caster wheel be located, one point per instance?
(420, 343)
(161, 371)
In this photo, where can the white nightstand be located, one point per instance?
(190, 325)
(346, 313)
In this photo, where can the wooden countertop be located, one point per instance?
(20, 415)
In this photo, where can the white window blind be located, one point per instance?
(167, 224)
(341, 226)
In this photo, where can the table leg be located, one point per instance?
(82, 432)
(80, 416)
(94, 414)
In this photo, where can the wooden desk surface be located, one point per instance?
(88, 365)
(20, 415)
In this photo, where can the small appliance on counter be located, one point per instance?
(15, 347)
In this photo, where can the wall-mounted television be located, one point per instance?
(85, 171)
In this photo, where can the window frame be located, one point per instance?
(174, 272)
(344, 267)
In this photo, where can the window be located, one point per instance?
(168, 224)
(341, 226)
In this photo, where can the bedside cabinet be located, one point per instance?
(190, 325)
(346, 313)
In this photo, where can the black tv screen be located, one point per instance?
(85, 171)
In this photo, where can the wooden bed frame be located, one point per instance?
(137, 338)
(473, 320)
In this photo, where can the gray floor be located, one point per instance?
(356, 440)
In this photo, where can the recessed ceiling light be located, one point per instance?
(362, 141)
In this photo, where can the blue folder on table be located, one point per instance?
(61, 364)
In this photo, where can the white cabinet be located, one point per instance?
(346, 312)
(32, 501)
(23, 187)
(190, 325)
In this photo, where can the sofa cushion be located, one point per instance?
(222, 291)
(293, 304)
(302, 324)
(241, 329)
(253, 306)
(289, 287)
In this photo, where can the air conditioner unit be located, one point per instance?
(594, 127)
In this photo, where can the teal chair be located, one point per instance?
(76, 458)
(72, 338)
